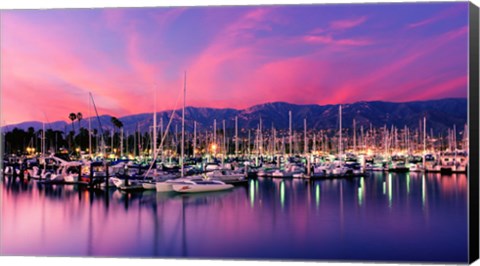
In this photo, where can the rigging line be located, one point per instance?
(164, 136)
(96, 113)
(99, 123)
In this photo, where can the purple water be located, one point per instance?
(383, 217)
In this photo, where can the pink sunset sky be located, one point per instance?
(234, 57)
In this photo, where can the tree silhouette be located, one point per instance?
(79, 118)
(72, 117)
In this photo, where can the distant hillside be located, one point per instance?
(441, 114)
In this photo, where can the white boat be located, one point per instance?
(117, 182)
(167, 185)
(339, 169)
(454, 162)
(300, 175)
(398, 164)
(201, 186)
(155, 178)
(280, 173)
(117, 168)
(163, 187)
(71, 178)
(227, 176)
(35, 172)
(149, 185)
(120, 183)
(415, 167)
(332, 170)
(67, 172)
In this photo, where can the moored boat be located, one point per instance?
(198, 186)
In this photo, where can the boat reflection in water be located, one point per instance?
(384, 216)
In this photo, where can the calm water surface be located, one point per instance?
(400, 217)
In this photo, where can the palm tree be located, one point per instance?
(119, 124)
(114, 121)
(79, 118)
(73, 117)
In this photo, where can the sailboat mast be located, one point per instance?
(154, 150)
(424, 140)
(224, 141)
(163, 138)
(194, 138)
(248, 143)
(111, 136)
(290, 130)
(305, 144)
(236, 135)
(260, 137)
(354, 136)
(215, 131)
(340, 138)
(274, 144)
(89, 127)
(183, 121)
(454, 137)
(43, 139)
(424, 134)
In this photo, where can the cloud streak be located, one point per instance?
(347, 23)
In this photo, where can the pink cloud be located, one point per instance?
(423, 22)
(347, 23)
(67, 76)
(325, 39)
(438, 17)
(443, 89)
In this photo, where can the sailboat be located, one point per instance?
(195, 186)
(157, 178)
(192, 184)
(336, 167)
(227, 176)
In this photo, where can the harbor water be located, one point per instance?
(380, 217)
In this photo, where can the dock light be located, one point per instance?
(213, 147)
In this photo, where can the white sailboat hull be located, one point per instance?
(163, 187)
(196, 188)
(149, 186)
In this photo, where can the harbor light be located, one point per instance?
(213, 148)
(30, 150)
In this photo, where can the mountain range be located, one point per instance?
(441, 114)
